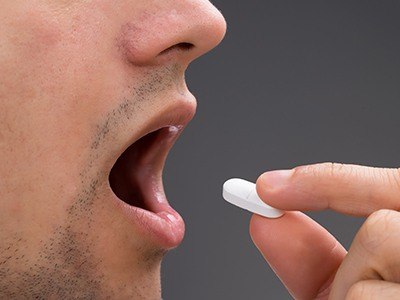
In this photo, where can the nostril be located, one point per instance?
(179, 47)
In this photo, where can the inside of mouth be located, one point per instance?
(133, 171)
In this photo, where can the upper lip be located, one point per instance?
(157, 218)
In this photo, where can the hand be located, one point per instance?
(311, 263)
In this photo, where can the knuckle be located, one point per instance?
(324, 169)
(358, 291)
(378, 227)
(395, 178)
(337, 169)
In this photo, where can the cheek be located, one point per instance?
(27, 36)
(31, 33)
(56, 64)
(68, 57)
(53, 86)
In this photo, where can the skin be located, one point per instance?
(311, 263)
(80, 81)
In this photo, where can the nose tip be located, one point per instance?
(211, 31)
(179, 31)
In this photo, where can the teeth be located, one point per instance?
(175, 129)
(173, 132)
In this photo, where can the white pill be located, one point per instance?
(243, 194)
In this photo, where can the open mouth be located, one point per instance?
(138, 170)
(136, 179)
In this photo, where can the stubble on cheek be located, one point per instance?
(66, 265)
(63, 267)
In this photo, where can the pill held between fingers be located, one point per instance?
(243, 194)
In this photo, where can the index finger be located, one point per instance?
(349, 189)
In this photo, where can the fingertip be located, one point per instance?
(289, 190)
(262, 190)
(300, 251)
(256, 226)
(264, 231)
(272, 187)
(260, 186)
(276, 179)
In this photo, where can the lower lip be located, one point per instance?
(165, 229)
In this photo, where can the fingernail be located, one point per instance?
(276, 179)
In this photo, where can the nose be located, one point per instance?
(176, 30)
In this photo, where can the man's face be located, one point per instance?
(81, 81)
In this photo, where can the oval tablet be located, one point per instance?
(243, 194)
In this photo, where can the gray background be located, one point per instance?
(294, 82)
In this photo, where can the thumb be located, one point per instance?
(349, 189)
(303, 254)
